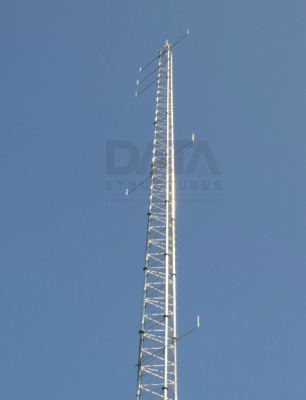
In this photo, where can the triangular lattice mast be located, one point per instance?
(157, 370)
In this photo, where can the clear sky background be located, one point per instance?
(72, 258)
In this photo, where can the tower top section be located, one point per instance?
(145, 79)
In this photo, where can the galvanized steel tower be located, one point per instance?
(157, 363)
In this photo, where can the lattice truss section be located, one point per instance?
(157, 352)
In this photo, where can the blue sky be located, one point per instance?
(71, 257)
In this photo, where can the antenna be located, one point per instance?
(192, 330)
(150, 173)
